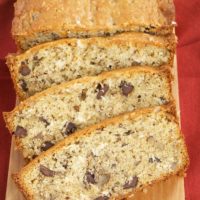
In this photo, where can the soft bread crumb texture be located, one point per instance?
(43, 120)
(87, 18)
(109, 161)
(65, 60)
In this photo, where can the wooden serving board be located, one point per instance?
(172, 189)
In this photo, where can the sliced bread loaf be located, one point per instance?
(46, 118)
(64, 60)
(85, 18)
(110, 160)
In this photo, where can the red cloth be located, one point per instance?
(188, 31)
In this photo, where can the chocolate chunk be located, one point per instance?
(45, 121)
(90, 177)
(35, 58)
(76, 108)
(83, 95)
(107, 34)
(46, 145)
(155, 159)
(163, 99)
(92, 63)
(132, 183)
(24, 85)
(46, 171)
(102, 198)
(20, 132)
(128, 132)
(101, 89)
(127, 88)
(24, 69)
(147, 30)
(65, 165)
(70, 128)
(34, 156)
(77, 142)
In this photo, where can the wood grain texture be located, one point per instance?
(172, 189)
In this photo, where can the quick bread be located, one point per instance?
(53, 63)
(40, 21)
(111, 160)
(47, 117)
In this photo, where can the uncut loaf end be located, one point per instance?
(53, 63)
(111, 160)
(87, 18)
(47, 117)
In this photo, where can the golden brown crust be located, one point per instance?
(21, 187)
(18, 178)
(140, 39)
(97, 17)
(14, 76)
(8, 116)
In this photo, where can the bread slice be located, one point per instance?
(110, 160)
(86, 18)
(65, 60)
(46, 118)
